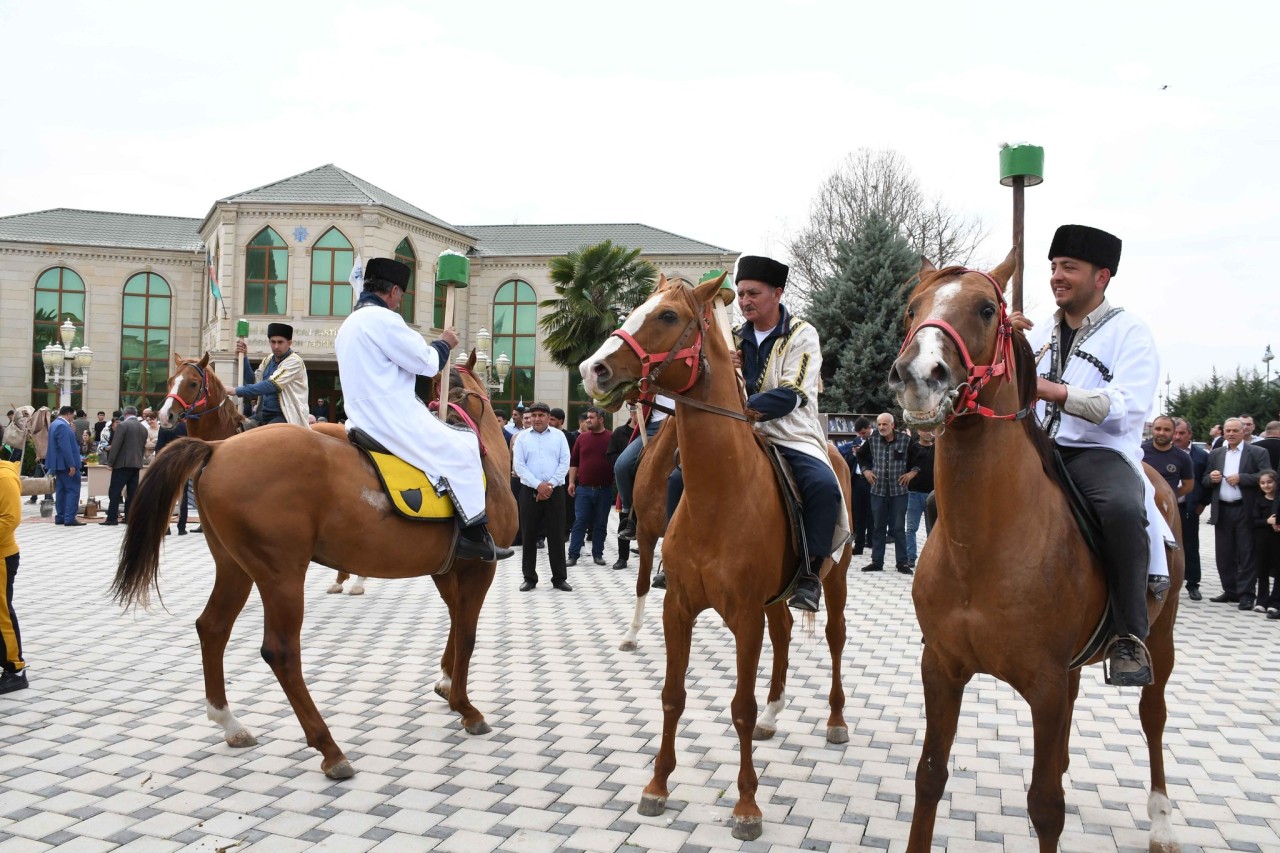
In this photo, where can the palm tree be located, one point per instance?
(596, 288)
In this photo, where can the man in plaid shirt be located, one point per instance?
(884, 463)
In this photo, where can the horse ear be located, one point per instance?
(926, 265)
(177, 360)
(471, 362)
(662, 282)
(204, 362)
(1003, 272)
(709, 289)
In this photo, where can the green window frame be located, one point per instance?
(59, 296)
(266, 274)
(145, 317)
(406, 256)
(332, 258)
(515, 329)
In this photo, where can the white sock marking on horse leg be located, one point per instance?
(1159, 809)
(444, 684)
(223, 717)
(357, 588)
(637, 621)
(769, 718)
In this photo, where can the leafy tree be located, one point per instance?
(878, 182)
(858, 315)
(596, 288)
(1213, 401)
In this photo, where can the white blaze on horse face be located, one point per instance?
(165, 416)
(631, 325)
(931, 342)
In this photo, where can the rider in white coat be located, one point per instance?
(379, 357)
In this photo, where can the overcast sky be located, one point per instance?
(718, 121)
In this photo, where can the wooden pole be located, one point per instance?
(447, 367)
(1019, 214)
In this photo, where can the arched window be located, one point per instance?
(405, 255)
(266, 274)
(331, 262)
(59, 297)
(144, 341)
(515, 326)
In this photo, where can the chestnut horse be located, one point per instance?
(197, 395)
(326, 506)
(728, 546)
(1006, 584)
(650, 505)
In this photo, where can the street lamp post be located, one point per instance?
(1266, 359)
(60, 361)
(495, 373)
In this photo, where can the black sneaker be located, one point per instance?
(807, 595)
(620, 565)
(1127, 664)
(11, 681)
(628, 529)
(475, 543)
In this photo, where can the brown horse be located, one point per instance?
(728, 546)
(327, 507)
(650, 499)
(1005, 584)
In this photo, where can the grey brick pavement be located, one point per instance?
(109, 749)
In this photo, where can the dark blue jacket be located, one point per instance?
(775, 402)
(64, 451)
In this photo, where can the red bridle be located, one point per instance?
(189, 411)
(966, 394)
(691, 355)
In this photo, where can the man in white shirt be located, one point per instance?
(1232, 477)
(540, 456)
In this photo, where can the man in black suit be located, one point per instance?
(1232, 476)
(1191, 506)
(125, 455)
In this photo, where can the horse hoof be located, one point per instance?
(651, 805)
(241, 740)
(764, 732)
(478, 728)
(627, 646)
(359, 590)
(837, 734)
(441, 690)
(335, 589)
(341, 770)
(747, 828)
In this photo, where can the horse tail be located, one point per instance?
(149, 518)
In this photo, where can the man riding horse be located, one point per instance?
(379, 358)
(1098, 372)
(282, 387)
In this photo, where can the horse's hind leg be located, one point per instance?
(836, 589)
(943, 692)
(645, 545)
(471, 583)
(780, 621)
(677, 628)
(1050, 720)
(231, 587)
(282, 599)
(748, 635)
(1151, 709)
(335, 588)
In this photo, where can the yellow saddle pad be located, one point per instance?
(409, 489)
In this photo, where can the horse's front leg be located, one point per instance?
(780, 622)
(748, 633)
(645, 545)
(472, 584)
(1152, 711)
(836, 589)
(943, 693)
(1050, 719)
(677, 628)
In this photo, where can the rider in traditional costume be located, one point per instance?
(781, 361)
(282, 381)
(379, 358)
(1098, 372)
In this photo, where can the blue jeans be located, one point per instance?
(888, 519)
(66, 497)
(915, 509)
(624, 469)
(591, 505)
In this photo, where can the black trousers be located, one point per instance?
(10, 633)
(1116, 493)
(1191, 543)
(545, 515)
(1233, 547)
(861, 512)
(123, 481)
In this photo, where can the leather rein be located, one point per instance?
(189, 410)
(964, 397)
(461, 412)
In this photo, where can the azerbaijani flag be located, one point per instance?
(213, 277)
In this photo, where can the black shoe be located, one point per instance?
(182, 531)
(1273, 612)
(110, 523)
(572, 561)
(1246, 603)
(873, 567)
(857, 550)
(1225, 598)
(659, 581)
(1128, 663)
(1193, 593)
(11, 681)
(905, 569)
(620, 565)
(475, 543)
(599, 561)
(75, 524)
(197, 529)
(563, 586)
(628, 529)
(807, 595)
(528, 585)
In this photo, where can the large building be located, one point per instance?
(141, 289)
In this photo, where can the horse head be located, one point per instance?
(188, 390)
(658, 346)
(958, 340)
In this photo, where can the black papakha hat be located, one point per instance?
(757, 268)
(280, 330)
(388, 270)
(538, 407)
(1088, 244)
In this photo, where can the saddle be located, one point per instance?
(410, 491)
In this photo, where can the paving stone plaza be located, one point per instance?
(109, 749)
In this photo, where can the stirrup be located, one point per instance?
(1140, 677)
